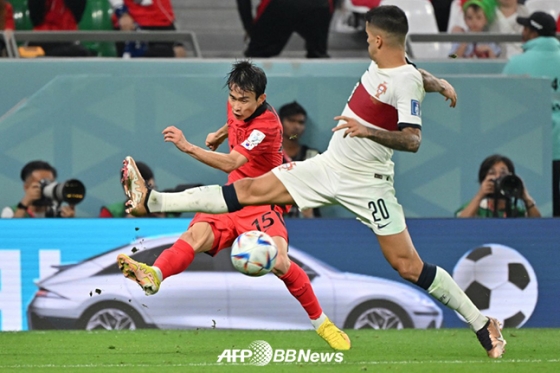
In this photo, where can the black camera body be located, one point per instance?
(509, 186)
(54, 193)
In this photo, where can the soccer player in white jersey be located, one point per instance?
(382, 115)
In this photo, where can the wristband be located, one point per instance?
(119, 11)
(21, 206)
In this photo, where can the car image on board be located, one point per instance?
(93, 294)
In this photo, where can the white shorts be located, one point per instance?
(371, 197)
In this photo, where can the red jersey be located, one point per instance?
(258, 138)
(160, 13)
(9, 17)
(57, 17)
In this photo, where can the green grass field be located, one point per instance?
(444, 350)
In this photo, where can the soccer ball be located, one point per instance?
(254, 253)
(500, 282)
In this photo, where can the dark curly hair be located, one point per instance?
(490, 161)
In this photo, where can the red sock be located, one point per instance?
(175, 259)
(299, 286)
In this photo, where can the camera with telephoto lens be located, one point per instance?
(70, 191)
(508, 186)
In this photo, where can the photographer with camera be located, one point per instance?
(43, 195)
(499, 193)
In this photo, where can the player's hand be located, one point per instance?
(352, 127)
(213, 141)
(67, 211)
(448, 92)
(175, 135)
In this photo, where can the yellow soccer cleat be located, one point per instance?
(142, 273)
(335, 337)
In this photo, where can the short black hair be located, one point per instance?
(388, 18)
(490, 161)
(33, 166)
(291, 109)
(247, 77)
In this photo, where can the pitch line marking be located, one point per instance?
(412, 362)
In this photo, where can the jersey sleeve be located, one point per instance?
(409, 100)
(252, 145)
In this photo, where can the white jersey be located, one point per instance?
(386, 99)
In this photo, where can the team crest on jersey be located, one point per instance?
(254, 139)
(381, 89)
(415, 107)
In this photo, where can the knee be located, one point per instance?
(407, 269)
(282, 265)
(200, 239)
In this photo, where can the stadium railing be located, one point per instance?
(17, 37)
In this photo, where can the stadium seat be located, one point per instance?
(21, 15)
(97, 17)
(350, 17)
(455, 15)
(421, 20)
(549, 6)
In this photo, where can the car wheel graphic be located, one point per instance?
(378, 314)
(111, 316)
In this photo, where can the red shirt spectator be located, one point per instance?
(55, 15)
(6, 16)
(58, 15)
(158, 13)
(558, 24)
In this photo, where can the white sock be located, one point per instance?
(201, 199)
(317, 322)
(446, 290)
(158, 273)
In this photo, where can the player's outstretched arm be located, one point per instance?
(407, 140)
(221, 161)
(433, 84)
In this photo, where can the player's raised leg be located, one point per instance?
(403, 257)
(299, 285)
(171, 261)
(213, 199)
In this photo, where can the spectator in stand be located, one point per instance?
(541, 58)
(293, 117)
(506, 23)
(33, 204)
(6, 23)
(478, 14)
(558, 24)
(58, 15)
(276, 21)
(147, 15)
(489, 202)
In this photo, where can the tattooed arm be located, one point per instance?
(433, 84)
(407, 140)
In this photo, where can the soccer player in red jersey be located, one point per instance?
(254, 133)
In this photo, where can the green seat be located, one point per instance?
(97, 17)
(21, 15)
